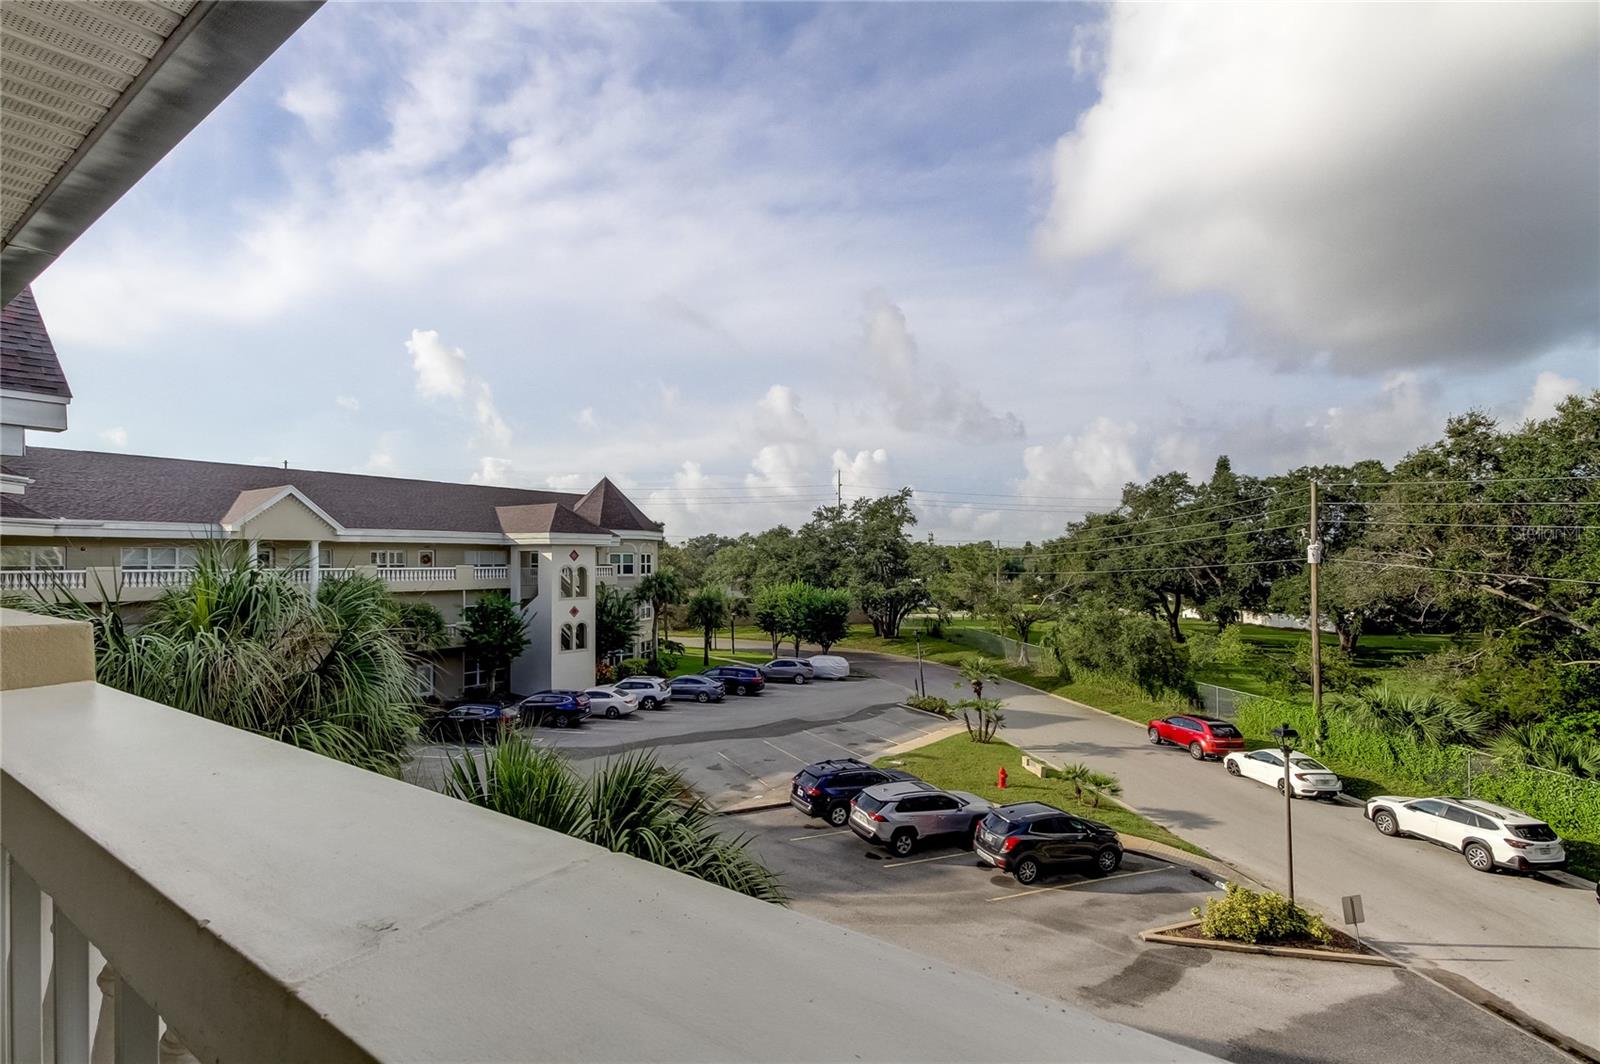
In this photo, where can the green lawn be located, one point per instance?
(958, 763)
(692, 660)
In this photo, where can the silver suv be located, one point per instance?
(650, 691)
(901, 815)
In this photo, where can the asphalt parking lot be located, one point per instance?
(1075, 937)
(743, 749)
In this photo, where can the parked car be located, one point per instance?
(1028, 838)
(472, 720)
(1309, 777)
(828, 667)
(1489, 836)
(738, 679)
(904, 814)
(794, 670)
(611, 702)
(825, 788)
(696, 689)
(651, 691)
(564, 709)
(1203, 736)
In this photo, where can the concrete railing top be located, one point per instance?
(274, 904)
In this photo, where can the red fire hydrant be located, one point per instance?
(1000, 780)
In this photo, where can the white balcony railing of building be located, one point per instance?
(42, 579)
(156, 577)
(605, 572)
(420, 574)
(302, 575)
(491, 572)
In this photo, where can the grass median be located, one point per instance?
(958, 763)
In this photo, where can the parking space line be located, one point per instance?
(829, 741)
(923, 860)
(1080, 883)
(738, 766)
(786, 753)
(819, 835)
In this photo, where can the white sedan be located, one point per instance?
(1310, 777)
(611, 702)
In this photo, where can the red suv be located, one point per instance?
(1203, 736)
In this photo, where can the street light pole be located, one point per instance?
(922, 683)
(1314, 566)
(1286, 739)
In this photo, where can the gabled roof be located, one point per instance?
(606, 506)
(546, 517)
(28, 360)
(106, 486)
(252, 502)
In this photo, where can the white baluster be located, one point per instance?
(71, 976)
(25, 991)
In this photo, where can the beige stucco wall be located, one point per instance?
(39, 651)
(288, 518)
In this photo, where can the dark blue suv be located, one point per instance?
(824, 789)
(738, 679)
(564, 709)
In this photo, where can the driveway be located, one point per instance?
(743, 749)
(1076, 939)
(1532, 944)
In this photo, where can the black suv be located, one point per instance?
(1027, 838)
(825, 788)
(738, 679)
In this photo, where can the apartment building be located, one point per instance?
(111, 527)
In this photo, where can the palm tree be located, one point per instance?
(1423, 717)
(978, 671)
(708, 609)
(244, 646)
(1086, 780)
(1539, 746)
(738, 609)
(632, 805)
(661, 588)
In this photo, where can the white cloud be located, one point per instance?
(1548, 391)
(348, 402)
(441, 370)
(492, 428)
(923, 396)
(1095, 462)
(779, 414)
(586, 418)
(1389, 183)
(116, 437)
(865, 473)
(314, 102)
(492, 471)
(381, 459)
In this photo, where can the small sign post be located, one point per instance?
(1353, 913)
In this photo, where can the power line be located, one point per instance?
(1386, 564)
(1469, 480)
(1158, 568)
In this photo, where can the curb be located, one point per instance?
(1165, 936)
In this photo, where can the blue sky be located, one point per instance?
(720, 252)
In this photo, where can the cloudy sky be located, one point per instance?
(1013, 256)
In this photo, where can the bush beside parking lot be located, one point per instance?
(1243, 915)
(957, 763)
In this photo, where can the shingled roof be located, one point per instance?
(104, 486)
(28, 360)
(606, 506)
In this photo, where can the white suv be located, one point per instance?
(1488, 836)
(650, 691)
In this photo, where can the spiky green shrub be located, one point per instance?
(632, 805)
(932, 704)
(1243, 915)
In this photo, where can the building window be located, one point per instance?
(566, 581)
(582, 640)
(488, 557)
(265, 555)
(566, 637)
(389, 559)
(623, 564)
(472, 674)
(583, 581)
(158, 558)
(425, 556)
(644, 565)
(424, 685)
(644, 611)
(325, 558)
(30, 558)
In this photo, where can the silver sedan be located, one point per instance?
(903, 815)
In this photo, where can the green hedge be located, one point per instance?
(1569, 805)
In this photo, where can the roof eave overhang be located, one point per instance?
(209, 55)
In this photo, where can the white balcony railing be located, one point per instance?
(603, 572)
(157, 577)
(491, 572)
(420, 574)
(42, 579)
(302, 575)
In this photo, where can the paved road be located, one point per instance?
(744, 749)
(1075, 938)
(1531, 943)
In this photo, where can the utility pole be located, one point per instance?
(1314, 565)
(838, 487)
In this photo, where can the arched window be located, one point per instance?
(566, 637)
(583, 635)
(583, 581)
(566, 581)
